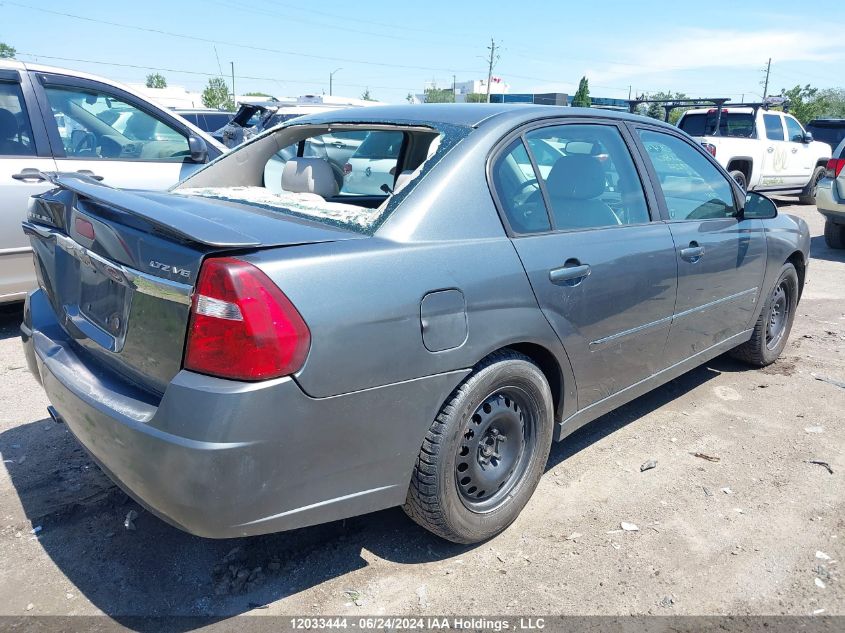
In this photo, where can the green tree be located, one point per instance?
(156, 80)
(409, 98)
(834, 100)
(476, 97)
(366, 96)
(806, 103)
(439, 95)
(6, 51)
(582, 95)
(657, 111)
(216, 95)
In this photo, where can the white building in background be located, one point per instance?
(464, 88)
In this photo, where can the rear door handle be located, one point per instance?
(570, 274)
(692, 253)
(89, 173)
(29, 174)
(770, 149)
(794, 150)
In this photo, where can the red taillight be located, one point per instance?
(242, 326)
(834, 167)
(84, 228)
(711, 149)
(347, 169)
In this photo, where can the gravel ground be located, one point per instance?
(757, 530)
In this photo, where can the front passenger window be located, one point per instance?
(692, 187)
(93, 124)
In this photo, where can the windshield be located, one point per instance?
(738, 124)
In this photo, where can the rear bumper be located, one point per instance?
(829, 202)
(219, 458)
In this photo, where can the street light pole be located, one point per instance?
(234, 98)
(331, 77)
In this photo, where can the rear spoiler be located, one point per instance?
(185, 226)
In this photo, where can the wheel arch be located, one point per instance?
(549, 365)
(797, 260)
(745, 164)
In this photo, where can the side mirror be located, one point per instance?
(199, 150)
(808, 137)
(758, 207)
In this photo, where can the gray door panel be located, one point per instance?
(613, 318)
(718, 289)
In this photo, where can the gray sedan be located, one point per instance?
(258, 350)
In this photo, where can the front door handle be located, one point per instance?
(770, 149)
(89, 173)
(794, 150)
(571, 273)
(692, 253)
(29, 174)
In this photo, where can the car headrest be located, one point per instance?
(576, 177)
(8, 124)
(309, 175)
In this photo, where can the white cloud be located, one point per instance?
(689, 49)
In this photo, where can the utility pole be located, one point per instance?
(233, 82)
(331, 77)
(454, 92)
(766, 83)
(491, 61)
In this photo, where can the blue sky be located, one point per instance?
(700, 48)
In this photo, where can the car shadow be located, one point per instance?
(11, 316)
(820, 250)
(611, 422)
(156, 569)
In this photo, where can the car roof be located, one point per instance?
(13, 64)
(461, 114)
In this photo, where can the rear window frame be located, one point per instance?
(450, 135)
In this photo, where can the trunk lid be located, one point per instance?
(119, 267)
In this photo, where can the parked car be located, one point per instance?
(57, 119)
(762, 149)
(371, 170)
(208, 120)
(254, 351)
(830, 131)
(254, 117)
(830, 198)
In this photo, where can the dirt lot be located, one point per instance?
(760, 531)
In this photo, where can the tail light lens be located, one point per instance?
(834, 167)
(711, 149)
(243, 327)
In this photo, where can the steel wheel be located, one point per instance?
(778, 315)
(495, 451)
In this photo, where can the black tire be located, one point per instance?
(834, 234)
(808, 196)
(440, 498)
(740, 179)
(767, 341)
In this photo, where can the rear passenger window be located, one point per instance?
(692, 186)
(774, 127)
(589, 176)
(519, 192)
(15, 131)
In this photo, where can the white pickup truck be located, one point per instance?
(764, 150)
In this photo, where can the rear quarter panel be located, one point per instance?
(361, 299)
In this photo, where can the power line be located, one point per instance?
(261, 49)
(201, 73)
